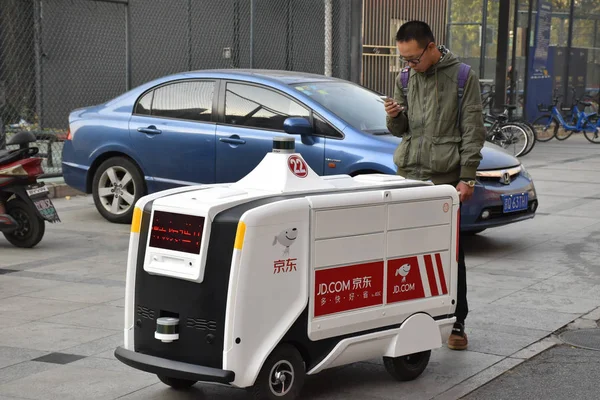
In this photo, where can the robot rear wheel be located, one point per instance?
(177, 384)
(408, 367)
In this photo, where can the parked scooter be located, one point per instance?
(26, 200)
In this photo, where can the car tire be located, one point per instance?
(284, 365)
(407, 368)
(116, 187)
(177, 384)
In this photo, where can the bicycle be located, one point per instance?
(487, 101)
(588, 123)
(506, 134)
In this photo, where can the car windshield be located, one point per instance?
(359, 107)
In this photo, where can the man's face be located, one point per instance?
(420, 59)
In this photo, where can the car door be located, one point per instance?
(173, 133)
(252, 116)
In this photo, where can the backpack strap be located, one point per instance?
(463, 75)
(404, 75)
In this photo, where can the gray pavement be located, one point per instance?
(560, 373)
(62, 303)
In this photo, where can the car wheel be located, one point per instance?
(116, 187)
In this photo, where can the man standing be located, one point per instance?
(443, 133)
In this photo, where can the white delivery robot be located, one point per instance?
(284, 274)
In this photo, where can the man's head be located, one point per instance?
(416, 45)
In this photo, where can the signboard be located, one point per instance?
(348, 288)
(539, 85)
(354, 287)
(542, 35)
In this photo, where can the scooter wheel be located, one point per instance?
(177, 384)
(407, 368)
(31, 226)
(282, 375)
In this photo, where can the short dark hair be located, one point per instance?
(415, 30)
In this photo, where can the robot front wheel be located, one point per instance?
(282, 375)
(407, 368)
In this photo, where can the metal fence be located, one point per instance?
(59, 55)
(382, 19)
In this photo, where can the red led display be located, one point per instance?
(177, 232)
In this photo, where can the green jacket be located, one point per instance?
(433, 147)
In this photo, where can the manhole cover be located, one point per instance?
(583, 338)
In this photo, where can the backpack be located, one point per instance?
(463, 75)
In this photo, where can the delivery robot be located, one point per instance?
(258, 283)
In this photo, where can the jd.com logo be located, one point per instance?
(404, 280)
(403, 271)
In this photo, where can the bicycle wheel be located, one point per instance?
(544, 127)
(512, 137)
(530, 134)
(593, 137)
(560, 133)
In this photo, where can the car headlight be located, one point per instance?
(525, 173)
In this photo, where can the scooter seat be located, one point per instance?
(7, 157)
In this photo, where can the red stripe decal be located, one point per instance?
(431, 275)
(438, 261)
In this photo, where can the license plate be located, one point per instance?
(35, 191)
(515, 202)
(46, 208)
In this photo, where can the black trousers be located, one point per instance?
(462, 307)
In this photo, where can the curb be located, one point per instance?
(61, 190)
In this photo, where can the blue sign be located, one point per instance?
(543, 23)
(539, 85)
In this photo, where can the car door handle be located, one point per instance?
(232, 140)
(151, 130)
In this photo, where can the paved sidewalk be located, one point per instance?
(560, 373)
(62, 303)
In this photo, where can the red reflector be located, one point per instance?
(33, 166)
(69, 136)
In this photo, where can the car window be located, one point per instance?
(359, 107)
(185, 100)
(144, 105)
(256, 107)
(323, 128)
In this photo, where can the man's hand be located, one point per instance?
(465, 192)
(392, 108)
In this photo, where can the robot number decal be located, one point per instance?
(298, 166)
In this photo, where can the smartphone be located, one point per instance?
(386, 99)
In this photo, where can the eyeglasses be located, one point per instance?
(414, 61)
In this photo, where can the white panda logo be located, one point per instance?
(286, 238)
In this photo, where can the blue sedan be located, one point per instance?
(215, 126)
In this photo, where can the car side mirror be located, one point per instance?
(298, 126)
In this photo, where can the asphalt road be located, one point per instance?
(61, 303)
